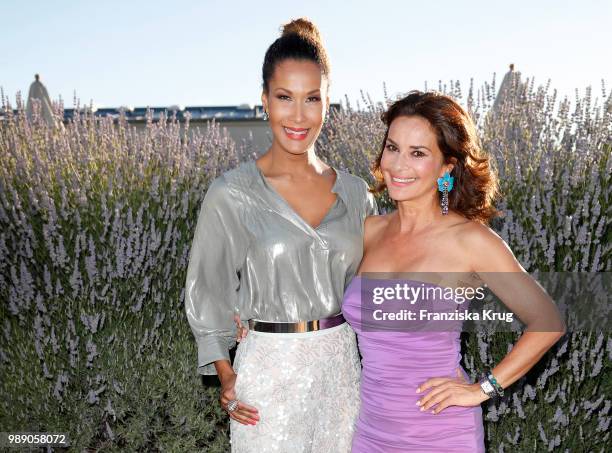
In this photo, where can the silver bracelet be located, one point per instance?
(498, 388)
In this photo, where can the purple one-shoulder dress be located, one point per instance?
(394, 364)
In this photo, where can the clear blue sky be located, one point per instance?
(141, 53)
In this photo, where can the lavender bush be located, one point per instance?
(96, 226)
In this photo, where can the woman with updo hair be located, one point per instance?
(277, 241)
(415, 396)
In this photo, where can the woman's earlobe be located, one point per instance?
(264, 101)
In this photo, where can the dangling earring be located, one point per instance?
(265, 116)
(445, 185)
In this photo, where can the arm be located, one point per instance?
(211, 289)
(212, 279)
(500, 270)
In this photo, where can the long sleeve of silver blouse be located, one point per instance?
(213, 278)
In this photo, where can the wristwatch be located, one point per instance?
(487, 388)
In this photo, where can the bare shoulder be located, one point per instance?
(372, 227)
(374, 222)
(488, 251)
(472, 236)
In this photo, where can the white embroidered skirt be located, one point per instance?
(306, 388)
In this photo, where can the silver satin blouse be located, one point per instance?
(253, 255)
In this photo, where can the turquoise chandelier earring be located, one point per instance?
(445, 185)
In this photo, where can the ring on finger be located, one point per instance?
(232, 405)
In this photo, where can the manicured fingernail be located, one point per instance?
(433, 412)
(418, 403)
(422, 409)
(418, 390)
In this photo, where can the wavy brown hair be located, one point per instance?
(475, 186)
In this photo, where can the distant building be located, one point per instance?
(240, 121)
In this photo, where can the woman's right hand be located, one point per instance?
(245, 414)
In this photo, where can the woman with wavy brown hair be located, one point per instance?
(415, 396)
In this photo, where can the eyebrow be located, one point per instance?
(318, 90)
(412, 146)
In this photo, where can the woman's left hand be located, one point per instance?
(241, 331)
(447, 392)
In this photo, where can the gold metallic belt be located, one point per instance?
(296, 327)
